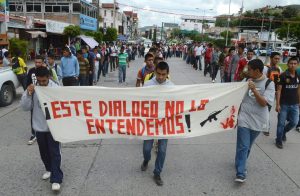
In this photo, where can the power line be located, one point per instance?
(206, 17)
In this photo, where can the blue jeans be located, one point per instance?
(105, 68)
(161, 154)
(122, 73)
(245, 139)
(288, 113)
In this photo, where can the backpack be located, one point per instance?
(16, 65)
(273, 74)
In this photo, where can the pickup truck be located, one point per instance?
(8, 85)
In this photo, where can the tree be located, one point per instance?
(224, 33)
(97, 35)
(17, 45)
(111, 34)
(289, 12)
(176, 32)
(71, 32)
(154, 35)
(292, 29)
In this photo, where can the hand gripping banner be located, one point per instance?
(181, 111)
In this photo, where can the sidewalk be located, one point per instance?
(195, 166)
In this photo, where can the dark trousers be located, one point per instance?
(214, 70)
(32, 130)
(70, 81)
(100, 70)
(50, 155)
(113, 63)
(23, 80)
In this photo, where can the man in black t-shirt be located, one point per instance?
(287, 101)
(31, 79)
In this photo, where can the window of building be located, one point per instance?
(111, 25)
(104, 25)
(76, 7)
(33, 7)
(57, 7)
(15, 7)
(104, 12)
(112, 13)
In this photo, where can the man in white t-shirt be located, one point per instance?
(198, 52)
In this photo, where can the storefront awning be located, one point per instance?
(36, 34)
(89, 41)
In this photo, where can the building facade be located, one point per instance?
(197, 23)
(77, 12)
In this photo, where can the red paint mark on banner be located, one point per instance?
(229, 122)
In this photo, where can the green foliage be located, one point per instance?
(224, 33)
(72, 31)
(97, 35)
(289, 12)
(176, 32)
(294, 32)
(219, 43)
(154, 35)
(111, 34)
(16, 45)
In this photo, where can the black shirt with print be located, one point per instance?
(289, 91)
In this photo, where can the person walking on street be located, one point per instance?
(287, 101)
(69, 68)
(161, 74)
(84, 69)
(253, 116)
(20, 69)
(31, 79)
(122, 63)
(148, 68)
(48, 147)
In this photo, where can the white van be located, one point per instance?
(292, 50)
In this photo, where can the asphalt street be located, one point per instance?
(195, 166)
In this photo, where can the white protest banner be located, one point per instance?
(87, 113)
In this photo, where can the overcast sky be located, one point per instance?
(190, 7)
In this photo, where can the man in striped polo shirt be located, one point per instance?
(122, 63)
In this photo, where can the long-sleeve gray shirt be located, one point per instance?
(31, 102)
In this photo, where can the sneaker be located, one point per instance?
(31, 140)
(298, 129)
(266, 133)
(284, 138)
(46, 175)
(213, 81)
(55, 186)
(240, 179)
(158, 180)
(279, 145)
(144, 166)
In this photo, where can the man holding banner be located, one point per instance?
(49, 148)
(161, 74)
(253, 116)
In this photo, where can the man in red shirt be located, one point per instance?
(208, 58)
(239, 74)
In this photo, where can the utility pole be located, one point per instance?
(161, 31)
(268, 45)
(114, 15)
(228, 20)
(288, 33)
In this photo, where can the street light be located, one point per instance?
(228, 20)
(202, 34)
(268, 43)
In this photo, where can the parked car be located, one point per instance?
(8, 85)
(292, 50)
(262, 51)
